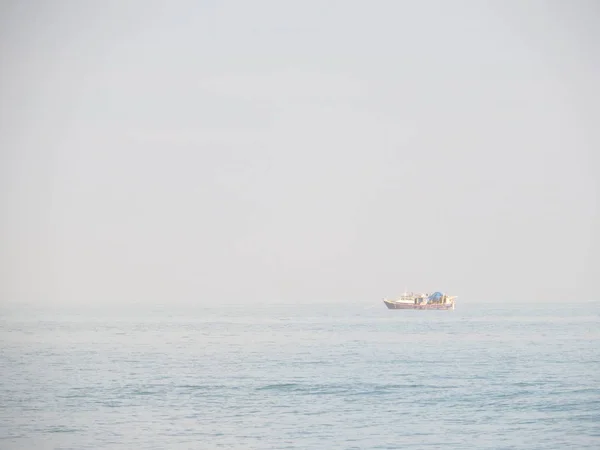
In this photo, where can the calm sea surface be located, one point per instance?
(309, 377)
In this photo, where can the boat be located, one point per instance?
(410, 300)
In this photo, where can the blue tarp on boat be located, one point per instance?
(435, 296)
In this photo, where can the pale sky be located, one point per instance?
(203, 152)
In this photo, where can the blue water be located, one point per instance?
(309, 377)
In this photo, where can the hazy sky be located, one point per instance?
(298, 151)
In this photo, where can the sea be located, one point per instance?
(305, 376)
